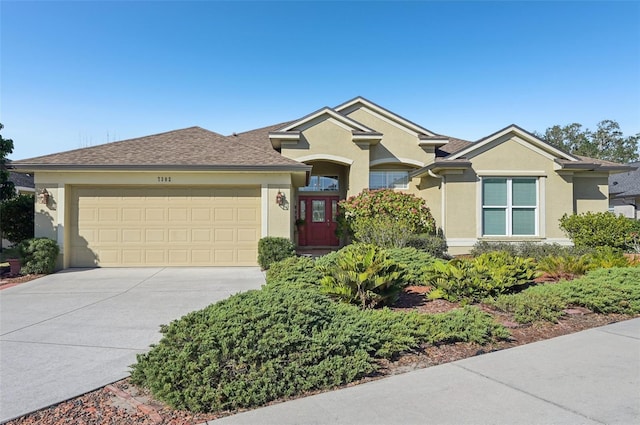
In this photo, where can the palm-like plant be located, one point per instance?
(363, 274)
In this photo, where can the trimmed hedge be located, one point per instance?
(39, 255)
(272, 249)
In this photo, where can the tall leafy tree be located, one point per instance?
(606, 142)
(7, 188)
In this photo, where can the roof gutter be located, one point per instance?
(26, 167)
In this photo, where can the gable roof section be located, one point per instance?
(535, 141)
(22, 180)
(360, 102)
(189, 148)
(291, 131)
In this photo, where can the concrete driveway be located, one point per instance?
(74, 331)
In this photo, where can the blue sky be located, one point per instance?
(82, 73)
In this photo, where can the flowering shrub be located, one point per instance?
(385, 218)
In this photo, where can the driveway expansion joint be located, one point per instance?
(520, 390)
(637, 338)
(106, 347)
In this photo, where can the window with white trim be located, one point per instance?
(510, 206)
(382, 179)
(322, 184)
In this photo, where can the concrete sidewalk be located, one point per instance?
(590, 377)
(74, 331)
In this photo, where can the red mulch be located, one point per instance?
(125, 404)
(7, 281)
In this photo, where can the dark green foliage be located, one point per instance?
(272, 249)
(471, 280)
(328, 261)
(527, 249)
(607, 142)
(281, 341)
(294, 270)
(531, 305)
(39, 255)
(16, 218)
(435, 245)
(614, 290)
(364, 275)
(594, 230)
(415, 262)
(7, 188)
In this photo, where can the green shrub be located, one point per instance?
(435, 245)
(272, 249)
(606, 257)
(39, 255)
(385, 217)
(294, 270)
(16, 218)
(599, 229)
(471, 280)
(328, 261)
(415, 262)
(564, 267)
(531, 305)
(533, 250)
(280, 342)
(364, 275)
(613, 290)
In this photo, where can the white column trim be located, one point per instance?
(264, 197)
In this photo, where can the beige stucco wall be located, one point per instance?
(397, 143)
(52, 219)
(591, 193)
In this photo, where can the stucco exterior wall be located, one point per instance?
(591, 193)
(397, 143)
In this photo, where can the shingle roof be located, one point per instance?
(21, 180)
(191, 147)
(625, 184)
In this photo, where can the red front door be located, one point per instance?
(319, 213)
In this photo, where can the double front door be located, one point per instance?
(319, 214)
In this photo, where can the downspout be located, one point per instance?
(442, 200)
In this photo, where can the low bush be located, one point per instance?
(39, 255)
(364, 275)
(613, 290)
(471, 280)
(415, 262)
(599, 229)
(564, 266)
(294, 270)
(435, 245)
(280, 342)
(533, 250)
(272, 249)
(606, 257)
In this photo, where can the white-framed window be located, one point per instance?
(388, 179)
(322, 184)
(510, 206)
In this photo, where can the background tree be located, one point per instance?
(606, 142)
(7, 188)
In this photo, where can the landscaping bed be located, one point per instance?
(124, 403)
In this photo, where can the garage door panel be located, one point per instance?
(139, 226)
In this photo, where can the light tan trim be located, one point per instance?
(395, 160)
(512, 173)
(326, 157)
(352, 124)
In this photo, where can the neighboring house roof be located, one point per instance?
(22, 180)
(193, 148)
(627, 184)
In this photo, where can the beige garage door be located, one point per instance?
(140, 226)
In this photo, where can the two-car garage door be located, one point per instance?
(164, 226)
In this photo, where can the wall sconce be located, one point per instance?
(281, 199)
(43, 197)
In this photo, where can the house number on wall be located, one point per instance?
(163, 179)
